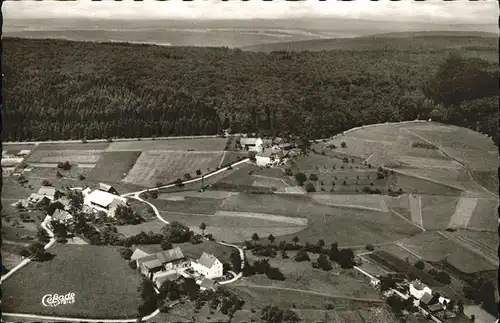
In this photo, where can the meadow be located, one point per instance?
(195, 144)
(95, 274)
(113, 166)
(155, 166)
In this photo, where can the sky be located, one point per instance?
(432, 11)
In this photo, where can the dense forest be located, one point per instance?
(56, 89)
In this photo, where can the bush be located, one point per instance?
(370, 247)
(313, 177)
(46, 183)
(81, 177)
(420, 265)
(132, 264)
(302, 256)
(310, 188)
(343, 144)
(288, 172)
(300, 178)
(66, 165)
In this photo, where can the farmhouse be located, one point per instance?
(23, 153)
(265, 158)
(107, 188)
(35, 198)
(163, 260)
(62, 216)
(208, 266)
(208, 284)
(252, 144)
(99, 200)
(47, 191)
(417, 289)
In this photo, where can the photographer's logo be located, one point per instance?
(53, 300)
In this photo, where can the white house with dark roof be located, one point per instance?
(208, 266)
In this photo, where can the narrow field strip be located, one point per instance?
(466, 243)
(264, 216)
(463, 212)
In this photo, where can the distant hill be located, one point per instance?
(403, 41)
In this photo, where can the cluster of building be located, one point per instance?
(103, 199)
(268, 152)
(425, 299)
(173, 265)
(10, 161)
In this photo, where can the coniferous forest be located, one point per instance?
(55, 89)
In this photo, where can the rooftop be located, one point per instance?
(47, 191)
(105, 187)
(207, 260)
(170, 255)
(61, 215)
(138, 253)
(102, 198)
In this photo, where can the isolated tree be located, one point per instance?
(187, 176)
(179, 182)
(300, 178)
(255, 238)
(420, 264)
(165, 244)
(310, 187)
(313, 177)
(271, 238)
(42, 235)
(302, 256)
(295, 240)
(81, 177)
(203, 226)
(324, 263)
(343, 144)
(321, 243)
(126, 253)
(46, 183)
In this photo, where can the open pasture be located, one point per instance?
(197, 194)
(96, 274)
(73, 146)
(300, 275)
(265, 181)
(399, 204)
(436, 247)
(153, 225)
(355, 146)
(397, 251)
(317, 163)
(152, 167)
(231, 228)
(415, 185)
(193, 205)
(73, 156)
(485, 215)
(198, 144)
(113, 166)
(375, 202)
(371, 227)
(437, 211)
(233, 156)
(15, 148)
(488, 179)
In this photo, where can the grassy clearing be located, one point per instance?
(152, 167)
(232, 156)
(74, 146)
(73, 156)
(301, 275)
(154, 225)
(435, 248)
(10, 255)
(95, 274)
(233, 229)
(114, 166)
(201, 144)
(355, 146)
(368, 201)
(488, 179)
(194, 205)
(415, 185)
(269, 182)
(400, 204)
(14, 149)
(437, 211)
(485, 216)
(196, 194)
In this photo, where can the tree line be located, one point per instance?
(125, 90)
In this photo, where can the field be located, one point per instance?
(73, 156)
(231, 228)
(202, 144)
(155, 166)
(188, 205)
(445, 246)
(485, 216)
(95, 274)
(301, 275)
(437, 211)
(153, 225)
(375, 202)
(14, 149)
(113, 166)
